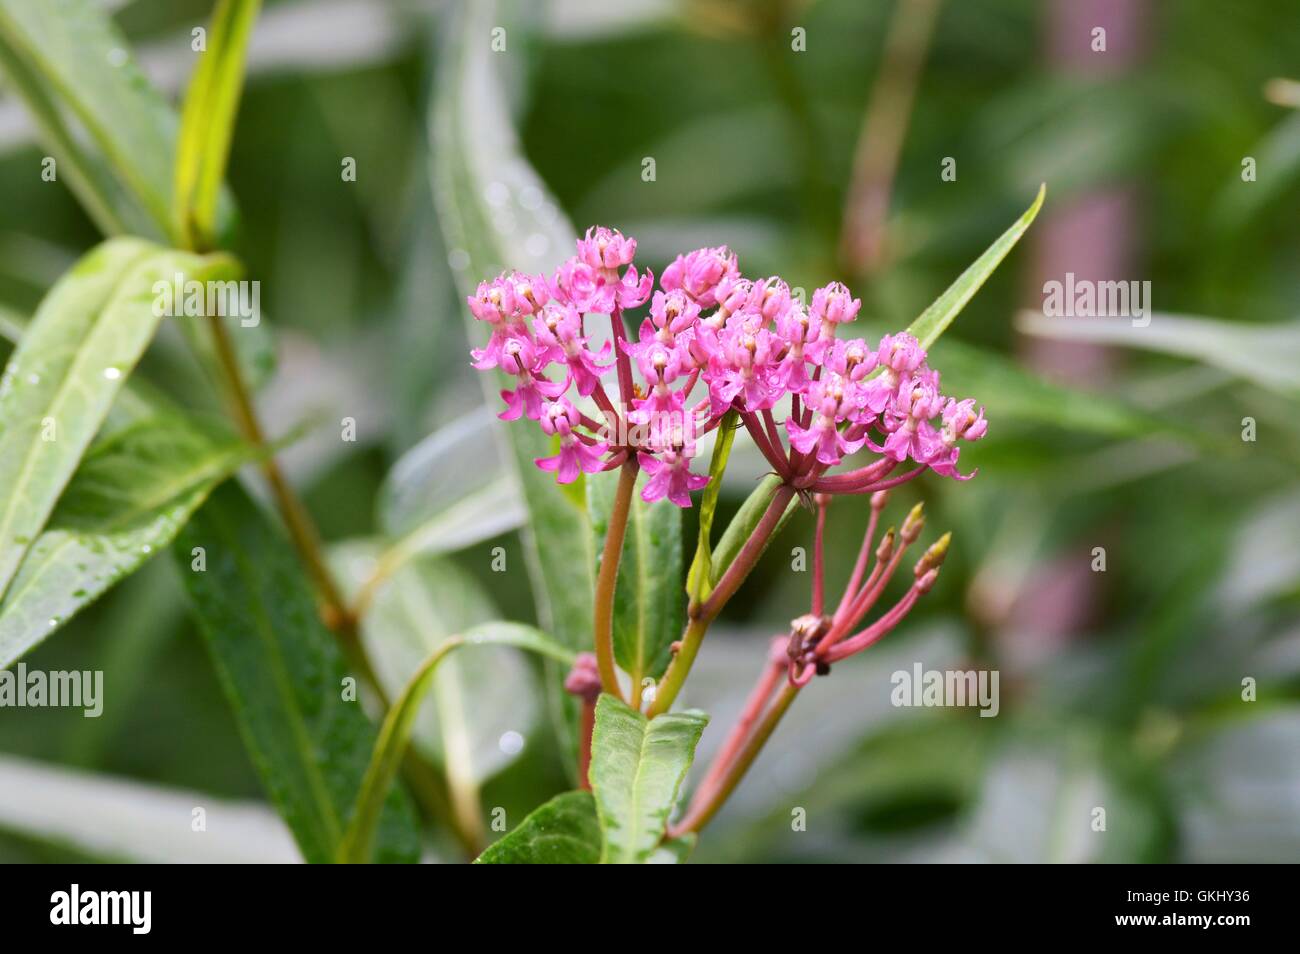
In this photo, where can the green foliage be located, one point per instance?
(395, 734)
(699, 581)
(285, 678)
(564, 831)
(110, 130)
(637, 766)
(208, 123)
(62, 379)
(130, 497)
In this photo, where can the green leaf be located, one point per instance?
(935, 320)
(111, 132)
(84, 341)
(478, 696)
(395, 734)
(649, 603)
(699, 581)
(207, 123)
(475, 147)
(637, 766)
(743, 523)
(564, 831)
(1266, 355)
(129, 498)
(284, 677)
(429, 508)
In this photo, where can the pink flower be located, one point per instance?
(908, 421)
(835, 303)
(960, 422)
(744, 365)
(670, 477)
(852, 359)
(606, 248)
(559, 329)
(830, 399)
(575, 457)
(697, 273)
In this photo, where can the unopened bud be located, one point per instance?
(879, 499)
(925, 582)
(583, 680)
(886, 548)
(933, 557)
(914, 524)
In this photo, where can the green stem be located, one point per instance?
(607, 578)
(702, 614)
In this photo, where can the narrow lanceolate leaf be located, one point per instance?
(111, 133)
(395, 735)
(699, 580)
(564, 831)
(637, 766)
(207, 122)
(477, 157)
(649, 603)
(935, 320)
(285, 677)
(84, 341)
(130, 497)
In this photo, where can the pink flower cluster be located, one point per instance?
(751, 343)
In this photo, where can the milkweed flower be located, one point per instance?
(713, 342)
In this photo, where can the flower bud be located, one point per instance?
(925, 582)
(886, 548)
(933, 557)
(914, 524)
(879, 499)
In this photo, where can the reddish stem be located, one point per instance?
(819, 558)
(586, 726)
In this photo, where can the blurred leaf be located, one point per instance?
(495, 214)
(84, 341)
(284, 677)
(478, 697)
(129, 498)
(110, 130)
(699, 581)
(649, 602)
(208, 121)
(1236, 786)
(395, 734)
(935, 320)
(1268, 355)
(1039, 803)
(637, 766)
(1277, 159)
(564, 831)
(1010, 393)
(119, 819)
(429, 507)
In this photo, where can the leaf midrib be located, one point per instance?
(60, 394)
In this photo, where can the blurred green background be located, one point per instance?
(1121, 689)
